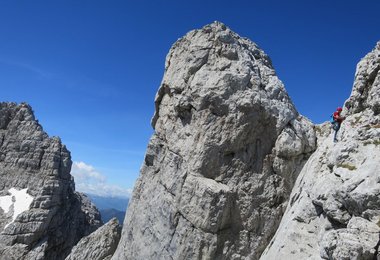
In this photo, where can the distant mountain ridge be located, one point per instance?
(108, 214)
(117, 203)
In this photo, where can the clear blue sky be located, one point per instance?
(90, 69)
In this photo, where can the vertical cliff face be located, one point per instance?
(41, 216)
(334, 209)
(227, 148)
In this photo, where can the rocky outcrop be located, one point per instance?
(41, 216)
(366, 89)
(334, 210)
(227, 148)
(99, 245)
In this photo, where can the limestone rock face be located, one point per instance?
(227, 149)
(41, 216)
(334, 209)
(366, 89)
(99, 245)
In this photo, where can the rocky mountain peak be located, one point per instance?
(227, 148)
(41, 215)
(213, 52)
(366, 89)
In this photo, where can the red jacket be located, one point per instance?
(337, 117)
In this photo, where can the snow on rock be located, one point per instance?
(19, 199)
(41, 215)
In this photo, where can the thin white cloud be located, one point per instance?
(104, 190)
(84, 172)
(89, 180)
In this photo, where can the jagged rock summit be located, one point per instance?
(227, 148)
(366, 89)
(41, 215)
(334, 210)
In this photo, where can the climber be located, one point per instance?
(336, 121)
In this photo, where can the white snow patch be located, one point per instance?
(6, 203)
(19, 199)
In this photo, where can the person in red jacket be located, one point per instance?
(337, 121)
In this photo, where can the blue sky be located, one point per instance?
(90, 69)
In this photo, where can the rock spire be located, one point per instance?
(227, 148)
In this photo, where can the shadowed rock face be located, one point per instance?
(58, 217)
(227, 148)
(334, 210)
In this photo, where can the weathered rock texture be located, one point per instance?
(366, 89)
(334, 210)
(58, 217)
(99, 245)
(227, 148)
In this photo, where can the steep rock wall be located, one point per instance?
(227, 148)
(334, 209)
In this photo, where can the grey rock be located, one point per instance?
(366, 89)
(227, 148)
(334, 208)
(99, 245)
(57, 217)
(354, 242)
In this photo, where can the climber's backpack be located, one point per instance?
(332, 120)
(334, 123)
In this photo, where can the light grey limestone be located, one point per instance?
(58, 217)
(357, 241)
(227, 148)
(366, 89)
(334, 208)
(99, 245)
